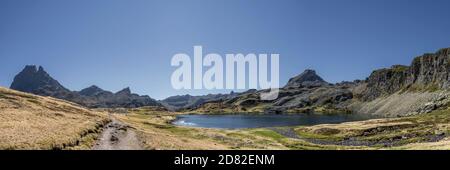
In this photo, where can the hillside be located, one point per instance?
(34, 122)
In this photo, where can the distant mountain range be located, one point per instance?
(187, 101)
(396, 91)
(301, 94)
(37, 81)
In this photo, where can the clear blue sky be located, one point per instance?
(119, 43)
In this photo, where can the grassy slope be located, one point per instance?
(34, 122)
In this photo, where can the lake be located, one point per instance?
(256, 121)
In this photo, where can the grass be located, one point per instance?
(385, 133)
(34, 122)
(269, 134)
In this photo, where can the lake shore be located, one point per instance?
(429, 131)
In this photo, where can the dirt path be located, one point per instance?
(117, 136)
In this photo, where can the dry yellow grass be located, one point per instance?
(33, 122)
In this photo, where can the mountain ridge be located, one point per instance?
(399, 90)
(36, 80)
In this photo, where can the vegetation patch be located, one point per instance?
(268, 133)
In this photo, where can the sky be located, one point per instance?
(130, 43)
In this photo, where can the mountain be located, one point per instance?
(37, 81)
(399, 90)
(301, 94)
(180, 102)
(94, 91)
(239, 101)
(308, 78)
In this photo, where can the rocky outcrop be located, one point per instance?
(385, 82)
(427, 73)
(37, 81)
(431, 69)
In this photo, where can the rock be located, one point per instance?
(248, 102)
(114, 138)
(427, 72)
(385, 81)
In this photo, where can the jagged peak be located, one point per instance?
(91, 90)
(308, 77)
(41, 69)
(33, 78)
(124, 91)
(30, 68)
(94, 87)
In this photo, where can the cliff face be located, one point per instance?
(385, 81)
(427, 72)
(431, 69)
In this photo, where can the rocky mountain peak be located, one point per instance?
(91, 91)
(41, 69)
(125, 91)
(32, 79)
(308, 78)
(30, 69)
